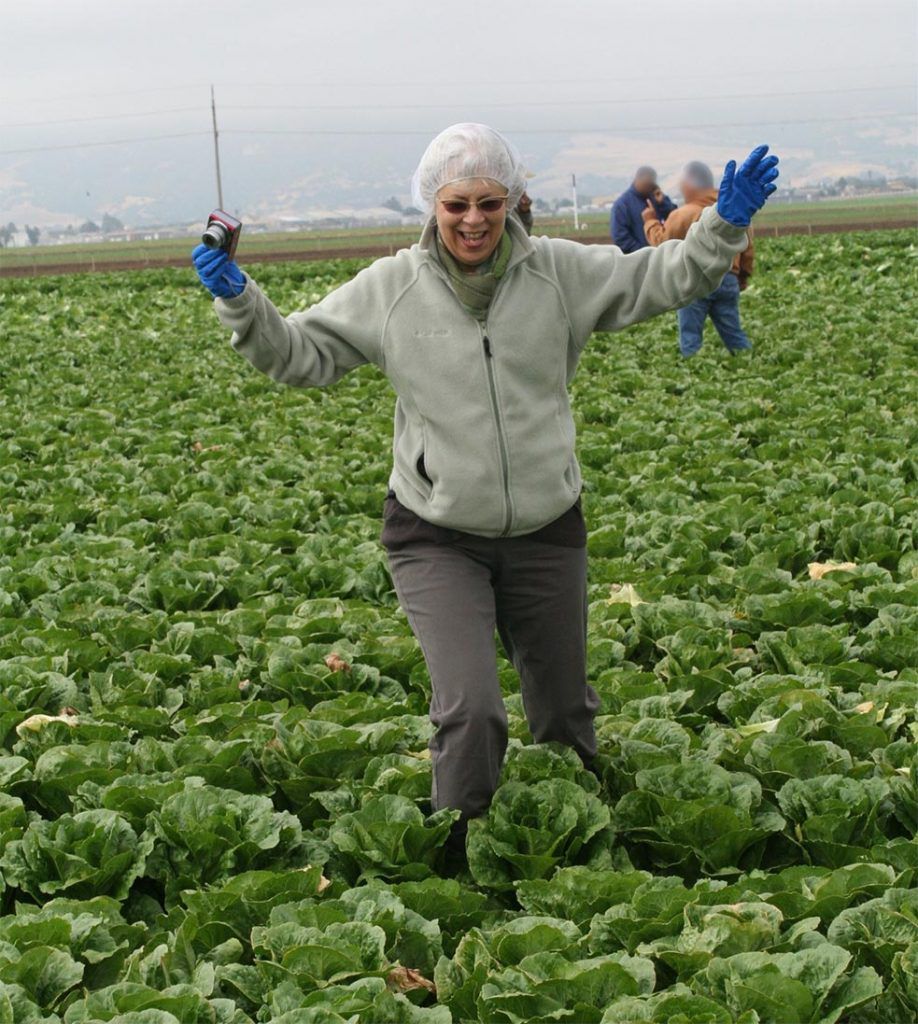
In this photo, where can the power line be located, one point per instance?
(444, 106)
(368, 84)
(107, 142)
(676, 76)
(564, 103)
(108, 93)
(427, 132)
(102, 117)
(488, 105)
(568, 129)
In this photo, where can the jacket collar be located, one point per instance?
(522, 243)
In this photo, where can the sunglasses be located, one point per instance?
(457, 207)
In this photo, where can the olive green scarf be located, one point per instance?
(476, 290)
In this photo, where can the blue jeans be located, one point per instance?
(722, 305)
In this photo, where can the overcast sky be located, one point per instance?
(589, 86)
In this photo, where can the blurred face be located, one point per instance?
(645, 185)
(470, 219)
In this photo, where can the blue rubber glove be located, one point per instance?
(743, 192)
(218, 273)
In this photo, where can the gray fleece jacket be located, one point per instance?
(484, 437)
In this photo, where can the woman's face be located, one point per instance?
(471, 235)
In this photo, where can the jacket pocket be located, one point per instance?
(412, 456)
(572, 478)
(420, 476)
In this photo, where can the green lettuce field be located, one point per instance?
(213, 766)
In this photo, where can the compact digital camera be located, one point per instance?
(222, 232)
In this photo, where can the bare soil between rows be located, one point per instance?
(374, 251)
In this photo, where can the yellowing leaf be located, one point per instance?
(34, 723)
(624, 593)
(754, 728)
(819, 569)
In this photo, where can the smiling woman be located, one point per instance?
(470, 220)
(469, 176)
(479, 329)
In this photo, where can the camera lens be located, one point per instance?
(215, 236)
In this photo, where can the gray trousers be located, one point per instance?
(534, 594)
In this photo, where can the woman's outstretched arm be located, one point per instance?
(606, 290)
(316, 347)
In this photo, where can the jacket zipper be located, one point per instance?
(501, 436)
(495, 407)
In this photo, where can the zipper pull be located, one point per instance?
(487, 345)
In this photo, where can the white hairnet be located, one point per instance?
(467, 151)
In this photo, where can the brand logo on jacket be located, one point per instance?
(431, 332)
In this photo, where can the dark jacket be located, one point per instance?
(626, 225)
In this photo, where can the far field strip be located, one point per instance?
(818, 217)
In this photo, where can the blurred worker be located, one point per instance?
(722, 305)
(625, 224)
(524, 212)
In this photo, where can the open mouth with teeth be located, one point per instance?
(473, 239)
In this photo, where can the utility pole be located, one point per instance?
(213, 114)
(574, 193)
